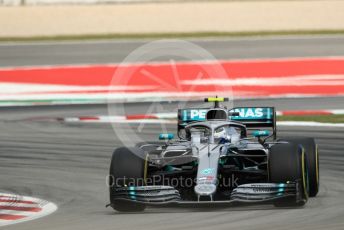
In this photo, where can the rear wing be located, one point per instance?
(187, 116)
(251, 117)
(256, 117)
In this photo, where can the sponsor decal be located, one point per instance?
(261, 133)
(262, 113)
(194, 114)
(206, 178)
(250, 113)
(253, 114)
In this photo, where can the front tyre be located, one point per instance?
(311, 150)
(287, 163)
(126, 169)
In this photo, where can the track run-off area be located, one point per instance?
(173, 80)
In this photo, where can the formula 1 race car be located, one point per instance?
(221, 158)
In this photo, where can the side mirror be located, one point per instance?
(166, 136)
(261, 133)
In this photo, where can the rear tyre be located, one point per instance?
(311, 150)
(287, 163)
(126, 169)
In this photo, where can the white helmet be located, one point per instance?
(228, 133)
(220, 133)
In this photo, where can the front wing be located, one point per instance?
(166, 196)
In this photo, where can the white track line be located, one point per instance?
(15, 203)
(159, 63)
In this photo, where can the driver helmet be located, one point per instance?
(228, 134)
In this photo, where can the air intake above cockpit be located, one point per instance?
(217, 114)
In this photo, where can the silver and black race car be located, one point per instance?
(222, 157)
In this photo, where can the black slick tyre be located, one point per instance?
(126, 169)
(287, 163)
(311, 150)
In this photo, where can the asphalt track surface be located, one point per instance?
(67, 164)
(95, 52)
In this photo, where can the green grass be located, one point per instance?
(209, 34)
(316, 118)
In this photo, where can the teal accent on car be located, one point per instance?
(132, 192)
(261, 133)
(254, 113)
(166, 136)
(207, 171)
(169, 168)
(189, 115)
